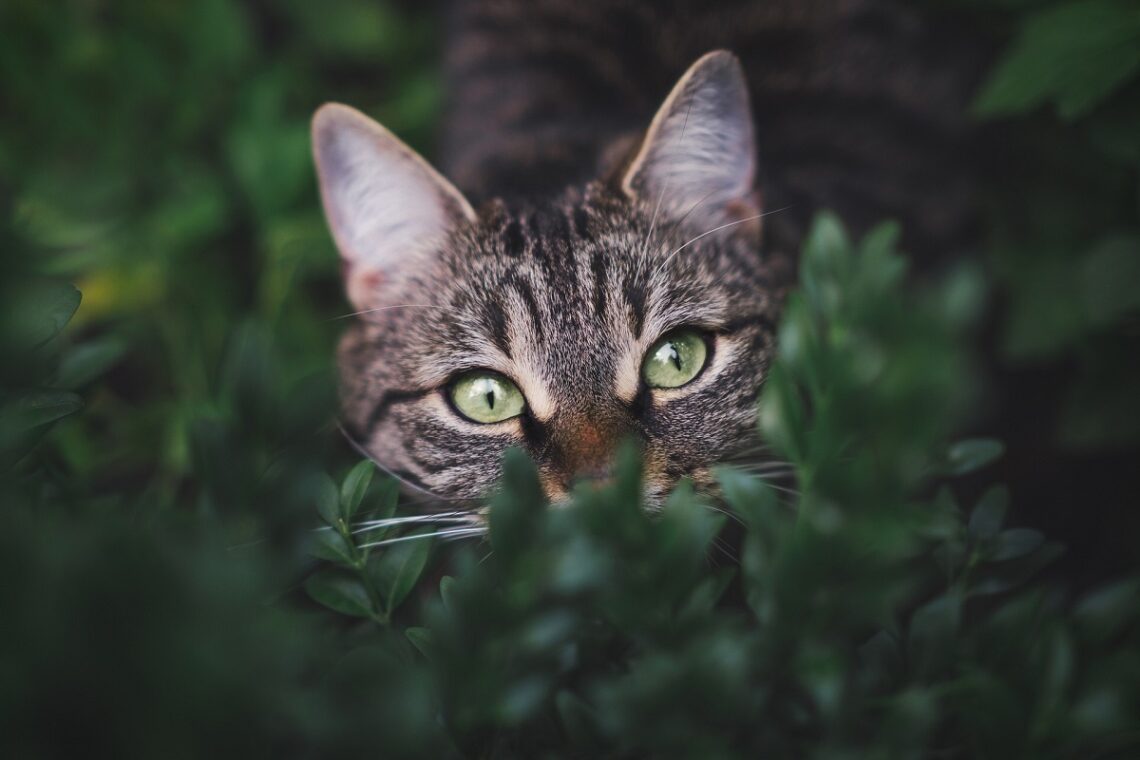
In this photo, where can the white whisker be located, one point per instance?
(685, 245)
(386, 308)
(364, 525)
(451, 533)
(391, 522)
(725, 512)
(427, 516)
(724, 549)
(450, 523)
(784, 489)
(766, 470)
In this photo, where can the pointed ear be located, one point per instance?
(386, 207)
(698, 158)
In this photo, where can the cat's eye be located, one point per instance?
(675, 360)
(487, 397)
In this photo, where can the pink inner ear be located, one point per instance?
(367, 280)
(362, 284)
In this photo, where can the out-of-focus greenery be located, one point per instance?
(178, 572)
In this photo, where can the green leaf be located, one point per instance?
(933, 628)
(36, 409)
(340, 593)
(516, 508)
(989, 515)
(394, 571)
(707, 593)
(89, 361)
(826, 253)
(354, 487)
(1074, 54)
(1011, 544)
(57, 305)
(782, 414)
(329, 545)
(578, 719)
(447, 593)
(881, 659)
(1000, 577)
(1107, 611)
(328, 501)
(24, 420)
(972, 454)
(1108, 275)
(421, 640)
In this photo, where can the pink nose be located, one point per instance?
(586, 453)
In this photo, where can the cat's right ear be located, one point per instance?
(386, 206)
(697, 160)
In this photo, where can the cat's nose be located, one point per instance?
(585, 453)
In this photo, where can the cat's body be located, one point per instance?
(607, 222)
(859, 106)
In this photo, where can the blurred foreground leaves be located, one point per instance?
(870, 613)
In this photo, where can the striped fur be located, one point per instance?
(577, 256)
(565, 298)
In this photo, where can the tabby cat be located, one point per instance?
(610, 258)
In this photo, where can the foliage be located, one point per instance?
(1065, 209)
(180, 575)
(868, 620)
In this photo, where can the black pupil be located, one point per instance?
(675, 356)
(490, 399)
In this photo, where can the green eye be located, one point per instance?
(675, 359)
(487, 397)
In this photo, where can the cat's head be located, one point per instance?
(637, 307)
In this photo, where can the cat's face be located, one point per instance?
(613, 313)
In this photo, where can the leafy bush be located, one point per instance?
(868, 614)
(179, 575)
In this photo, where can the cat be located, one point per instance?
(610, 256)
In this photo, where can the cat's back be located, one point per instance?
(859, 104)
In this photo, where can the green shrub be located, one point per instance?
(868, 615)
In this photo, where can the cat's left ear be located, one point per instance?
(388, 209)
(698, 158)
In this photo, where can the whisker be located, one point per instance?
(386, 308)
(756, 447)
(452, 533)
(784, 489)
(692, 208)
(725, 512)
(762, 470)
(724, 549)
(413, 518)
(380, 524)
(364, 525)
(685, 245)
(754, 459)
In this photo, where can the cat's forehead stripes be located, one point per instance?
(569, 319)
(563, 293)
